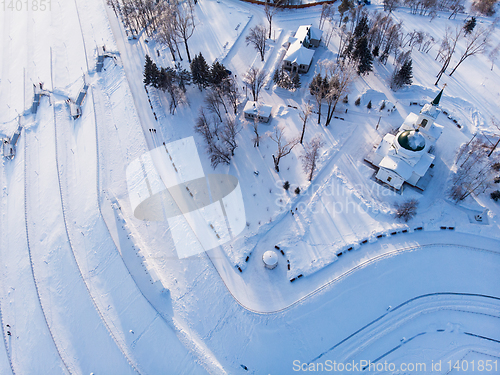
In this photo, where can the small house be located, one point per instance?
(255, 111)
(8, 148)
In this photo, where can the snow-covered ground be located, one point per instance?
(86, 287)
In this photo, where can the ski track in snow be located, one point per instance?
(355, 346)
(55, 262)
(5, 355)
(101, 311)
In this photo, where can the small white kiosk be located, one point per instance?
(270, 259)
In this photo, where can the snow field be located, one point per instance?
(264, 322)
(61, 285)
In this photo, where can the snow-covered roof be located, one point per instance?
(299, 54)
(385, 145)
(434, 131)
(302, 32)
(258, 109)
(315, 33)
(290, 40)
(430, 110)
(270, 258)
(409, 122)
(307, 32)
(397, 165)
(431, 132)
(423, 164)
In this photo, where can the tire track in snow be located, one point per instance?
(4, 335)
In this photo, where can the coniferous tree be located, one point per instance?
(296, 82)
(200, 71)
(363, 56)
(183, 76)
(469, 25)
(218, 73)
(349, 48)
(405, 74)
(148, 71)
(362, 28)
(277, 75)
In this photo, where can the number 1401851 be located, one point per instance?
(26, 5)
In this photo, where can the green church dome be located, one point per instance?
(411, 140)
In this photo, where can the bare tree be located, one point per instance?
(390, 5)
(318, 88)
(203, 127)
(254, 79)
(255, 130)
(257, 38)
(304, 115)
(229, 133)
(327, 13)
(184, 26)
(231, 92)
(166, 34)
(493, 55)
(310, 156)
(344, 38)
(341, 78)
(455, 6)
(270, 11)
(406, 210)
(284, 146)
(213, 102)
(477, 41)
(217, 150)
(329, 34)
(115, 5)
(484, 7)
(473, 170)
(447, 49)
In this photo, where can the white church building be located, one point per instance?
(406, 156)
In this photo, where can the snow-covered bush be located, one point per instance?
(406, 210)
(495, 195)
